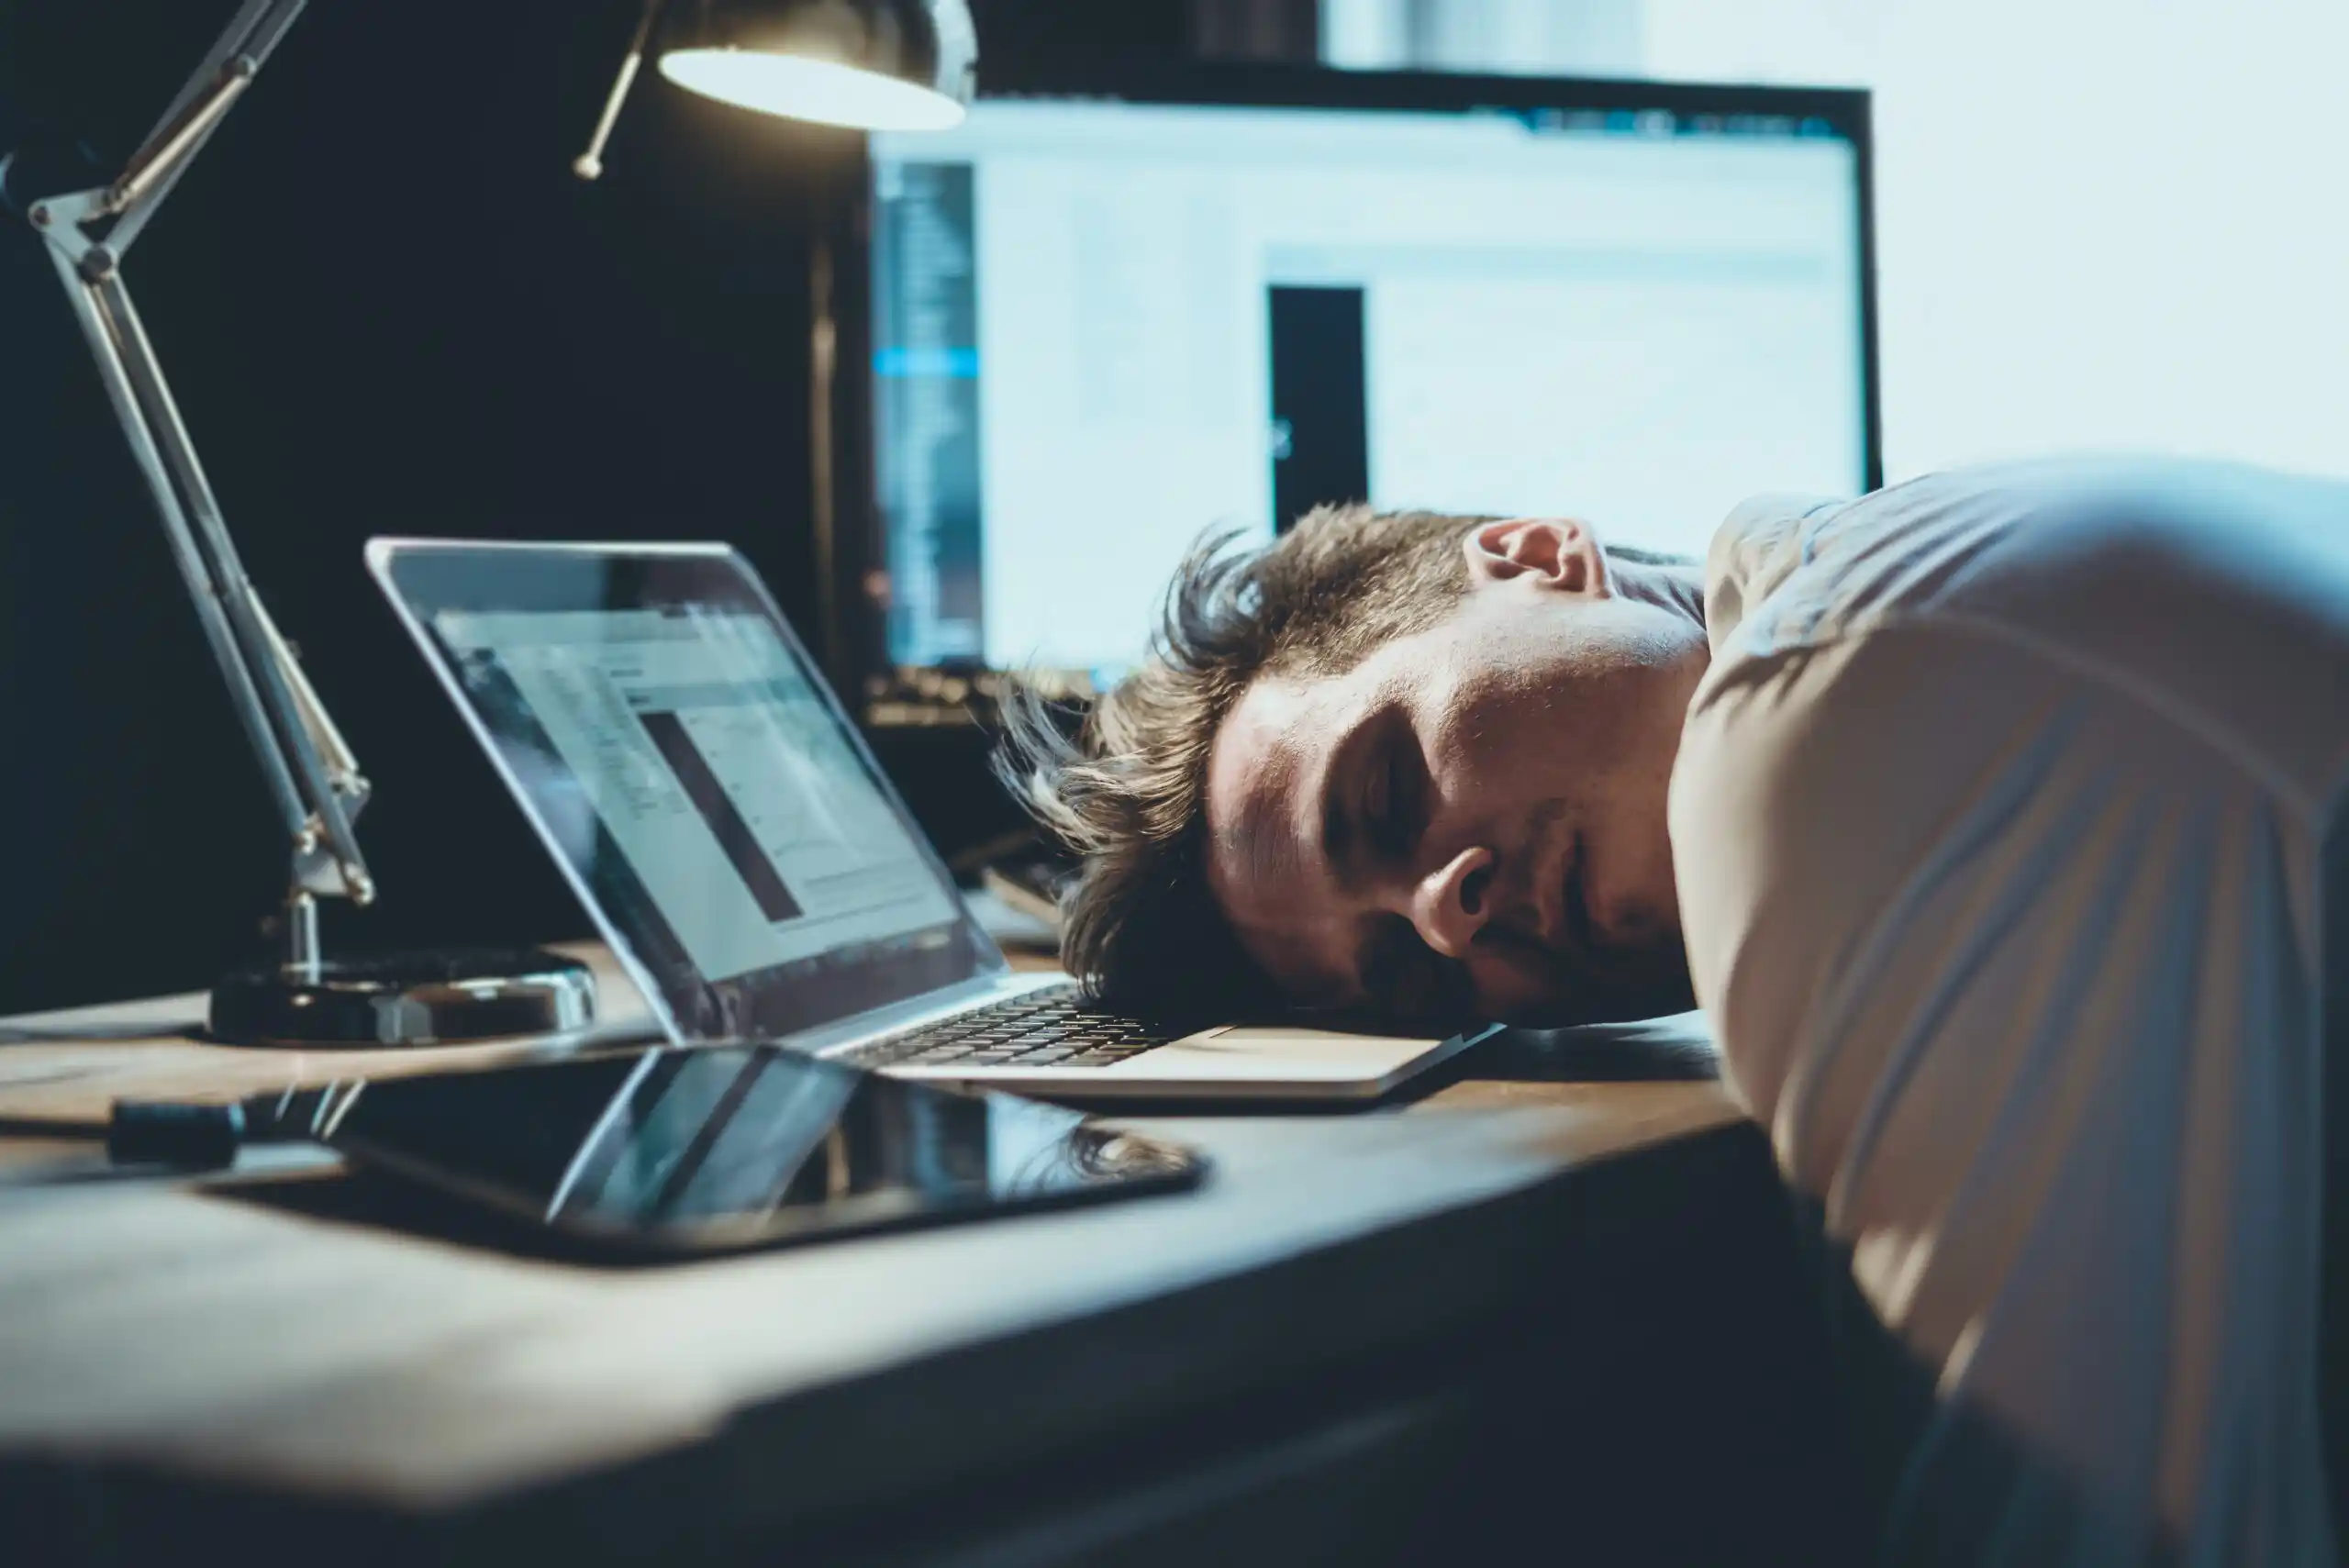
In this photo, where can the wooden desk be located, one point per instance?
(1369, 1332)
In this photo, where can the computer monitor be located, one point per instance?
(1102, 322)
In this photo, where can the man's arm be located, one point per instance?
(2014, 969)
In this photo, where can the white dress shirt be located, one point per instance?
(1998, 824)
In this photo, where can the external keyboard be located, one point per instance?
(1049, 1027)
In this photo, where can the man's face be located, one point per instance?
(1469, 822)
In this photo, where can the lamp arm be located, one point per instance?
(313, 779)
(236, 57)
(589, 165)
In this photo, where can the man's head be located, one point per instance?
(1405, 761)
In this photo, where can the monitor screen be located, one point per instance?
(1100, 328)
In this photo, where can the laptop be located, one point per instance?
(720, 817)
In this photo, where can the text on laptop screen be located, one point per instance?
(692, 738)
(1101, 328)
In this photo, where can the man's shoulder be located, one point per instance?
(1791, 572)
(1787, 571)
(1849, 808)
(2015, 538)
(2217, 591)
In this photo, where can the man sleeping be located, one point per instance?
(1986, 819)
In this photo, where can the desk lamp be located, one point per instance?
(877, 63)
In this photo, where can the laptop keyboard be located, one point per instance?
(1047, 1027)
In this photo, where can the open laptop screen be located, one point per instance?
(673, 746)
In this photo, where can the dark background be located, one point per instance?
(386, 306)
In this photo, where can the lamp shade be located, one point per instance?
(871, 64)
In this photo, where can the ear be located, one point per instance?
(1556, 553)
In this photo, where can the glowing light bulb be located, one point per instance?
(821, 90)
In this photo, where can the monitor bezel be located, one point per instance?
(858, 645)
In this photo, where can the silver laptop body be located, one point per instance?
(720, 817)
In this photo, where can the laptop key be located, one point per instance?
(1055, 1028)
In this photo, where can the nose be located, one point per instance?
(1452, 903)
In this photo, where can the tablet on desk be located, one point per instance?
(729, 1148)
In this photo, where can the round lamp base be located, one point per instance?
(396, 999)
